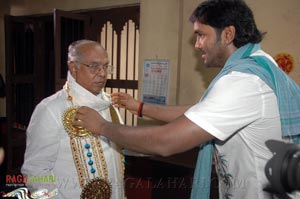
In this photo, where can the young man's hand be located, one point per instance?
(90, 119)
(124, 100)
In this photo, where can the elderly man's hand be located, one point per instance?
(90, 119)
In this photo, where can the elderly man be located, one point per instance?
(68, 159)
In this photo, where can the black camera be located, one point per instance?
(283, 169)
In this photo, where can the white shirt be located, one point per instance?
(241, 112)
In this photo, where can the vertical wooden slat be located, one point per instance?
(127, 48)
(134, 53)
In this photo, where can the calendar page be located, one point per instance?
(155, 87)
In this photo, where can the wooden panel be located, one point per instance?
(68, 27)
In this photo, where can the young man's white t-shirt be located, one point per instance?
(241, 112)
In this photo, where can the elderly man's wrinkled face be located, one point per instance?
(92, 73)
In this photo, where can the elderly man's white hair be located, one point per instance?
(75, 53)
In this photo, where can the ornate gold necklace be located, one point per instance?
(68, 119)
(90, 156)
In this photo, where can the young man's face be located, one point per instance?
(212, 47)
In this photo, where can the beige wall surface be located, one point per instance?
(166, 33)
(159, 36)
(29, 7)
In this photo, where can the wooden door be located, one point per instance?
(68, 27)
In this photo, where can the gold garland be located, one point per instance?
(68, 118)
(73, 131)
(98, 187)
(115, 119)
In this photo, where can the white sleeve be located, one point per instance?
(234, 102)
(42, 147)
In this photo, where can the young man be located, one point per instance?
(249, 102)
(69, 159)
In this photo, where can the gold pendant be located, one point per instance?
(68, 118)
(97, 188)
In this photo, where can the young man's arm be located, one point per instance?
(175, 137)
(159, 112)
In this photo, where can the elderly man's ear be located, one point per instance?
(72, 68)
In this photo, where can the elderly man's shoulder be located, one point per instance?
(54, 101)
